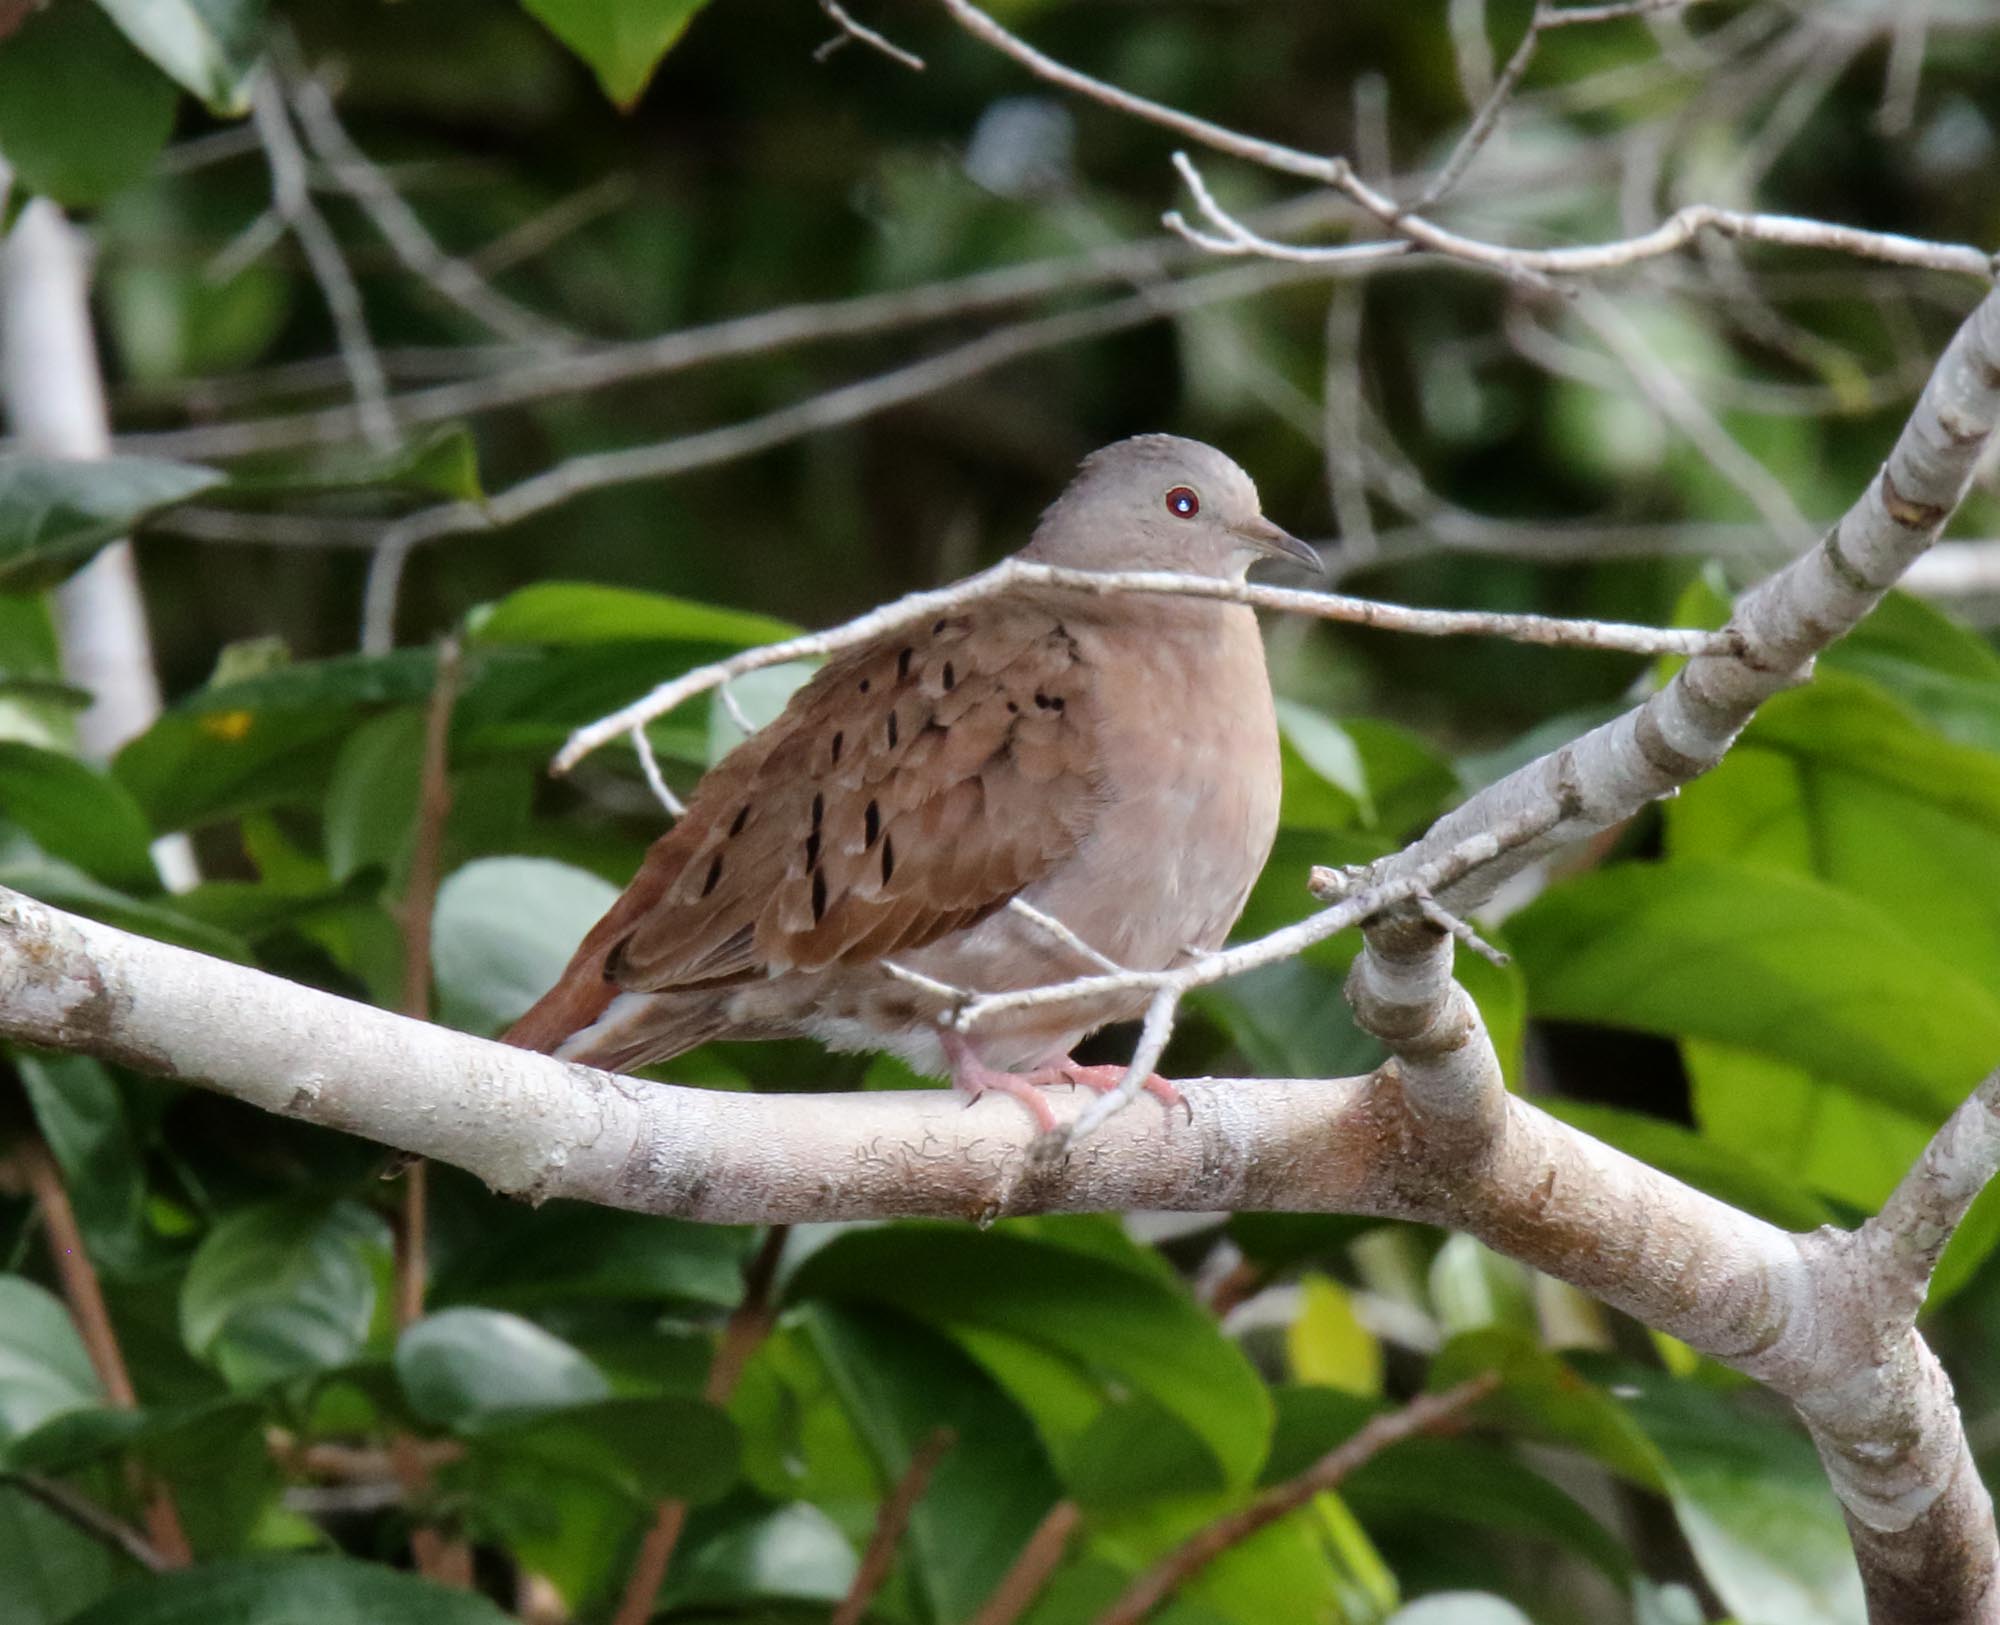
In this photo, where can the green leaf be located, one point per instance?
(1421, 1480)
(900, 1381)
(77, 813)
(81, 1114)
(566, 1251)
(60, 62)
(1784, 966)
(44, 1370)
(1326, 783)
(290, 1590)
(503, 931)
(64, 886)
(211, 47)
(654, 1447)
(443, 462)
(49, 1569)
(622, 40)
(264, 740)
(1752, 1499)
(1076, 1310)
(752, 1554)
(463, 1368)
(1327, 1343)
(582, 612)
(1839, 782)
(282, 1289)
(55, 513)
(371, 801)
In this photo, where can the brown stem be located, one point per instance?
(747, 1326)
(1023, 1581)
(93, 1322)
(88, 1516)
(1204, 1546)
(438, 1556)
(890, 1522)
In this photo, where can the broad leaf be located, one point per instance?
(290, 1590)
(1074, 1310)
(463, 1368)
(55, 513)
(622, 40)
(282, 1290)
(900, 1382)
(211, 47)
(77, 813)
(44, 1370)
(583, 612)
(1787, 967)
(60, 60)
(503, 931)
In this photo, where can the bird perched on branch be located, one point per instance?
(1110, 759)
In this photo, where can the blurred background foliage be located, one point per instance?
(1774, 988)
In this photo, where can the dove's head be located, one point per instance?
(1158, 502)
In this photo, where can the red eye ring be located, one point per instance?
(1182, 502)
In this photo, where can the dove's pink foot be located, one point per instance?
(975, 1077)
(1104, 1079)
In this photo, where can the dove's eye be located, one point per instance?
(1183, 503)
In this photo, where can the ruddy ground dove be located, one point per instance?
(1111, 759)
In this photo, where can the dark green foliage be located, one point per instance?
(1773, 988)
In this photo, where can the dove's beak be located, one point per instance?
(1266, 537)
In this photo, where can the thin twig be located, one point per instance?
(748, 1325)
(1670, 236)
(550, 377)
(1029, 1572)
(85, 1296)
(656, 781)
(291, 195)
(890, 1522)
(1425, 1414)
(852, 30)
(1663, 386)
(88, 1516)
(1069, 939)
(407, 236)
(1014, 574)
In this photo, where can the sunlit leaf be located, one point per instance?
(210, 46)
(622, 40)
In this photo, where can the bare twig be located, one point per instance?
(656, 781)
(1663, 387)
(407, 236)
(85, 1296)
(88, 1516)
(852, 30)
(1671, 235)
(1922, 1213)
(1018, 1588)
(890, 1522)
(1014, 574)
(748, 1325)
(291, 195)
(545, 377)
(1426, 1414)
